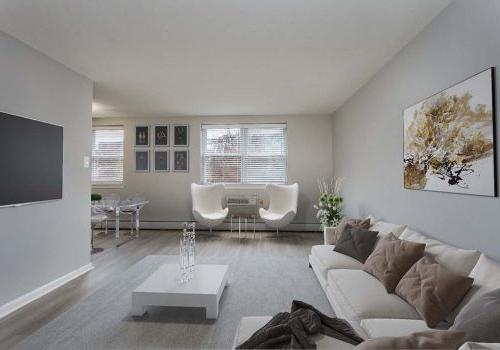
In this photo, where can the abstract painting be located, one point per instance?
(449, 139)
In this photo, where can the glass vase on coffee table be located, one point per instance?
(187, 251)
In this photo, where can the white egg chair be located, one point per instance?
(282, 209)
(207, 204)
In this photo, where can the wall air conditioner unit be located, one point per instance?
(242, 204)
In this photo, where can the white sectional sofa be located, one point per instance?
(362, 300)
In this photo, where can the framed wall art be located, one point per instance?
(162, 161)
(449, 139)
(141, 161)
(142, 136)
(181, 161)
(161, 135)
(181, 135)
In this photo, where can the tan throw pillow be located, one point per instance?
(391, 259)
(358, 223)
(432, 289)
(421, 340)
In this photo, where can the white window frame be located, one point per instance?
(108, 184)
(244, 135)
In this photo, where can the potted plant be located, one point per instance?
(94, 197)
(330, 206)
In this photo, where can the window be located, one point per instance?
(244, 154)
(107, 156)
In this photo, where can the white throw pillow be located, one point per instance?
(384, 228)
(486, 273)
(486, 276)
(458, 260)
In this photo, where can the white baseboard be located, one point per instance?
(27, 298)
(226, 226)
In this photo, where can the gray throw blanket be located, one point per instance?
(293, 330)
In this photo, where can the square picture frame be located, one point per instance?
(141, 136)
(181, 135)
(142, 160)
(181, 161)
(161, 161)
(161, 135)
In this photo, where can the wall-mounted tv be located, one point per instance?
(31, 161)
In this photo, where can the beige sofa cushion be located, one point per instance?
(386, 327)
(249, 325)
(328, 259)
(480, 346)
(363, 296)
(460, 261)
(378, 328)
(445, 340)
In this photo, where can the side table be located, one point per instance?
(245, 216)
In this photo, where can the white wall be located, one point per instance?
(309, 157)
(368, 129)
(42, 242)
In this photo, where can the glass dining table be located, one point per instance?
(118, 207)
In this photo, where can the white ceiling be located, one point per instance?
(219, 57)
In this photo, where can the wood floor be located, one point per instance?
(113, 261)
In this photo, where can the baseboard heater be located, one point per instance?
(239, 205)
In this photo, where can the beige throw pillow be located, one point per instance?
(391, 259)
(357, 223)
(433, 289)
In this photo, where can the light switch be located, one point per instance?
(86, 162)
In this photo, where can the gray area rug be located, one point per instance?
(258, 287)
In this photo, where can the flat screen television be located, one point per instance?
(31, 161)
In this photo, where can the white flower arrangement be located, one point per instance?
(330, 202)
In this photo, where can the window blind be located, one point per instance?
(244, 154)
(107, 156)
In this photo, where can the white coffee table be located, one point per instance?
(163, 288)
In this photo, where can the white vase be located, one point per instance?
(328, 233)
